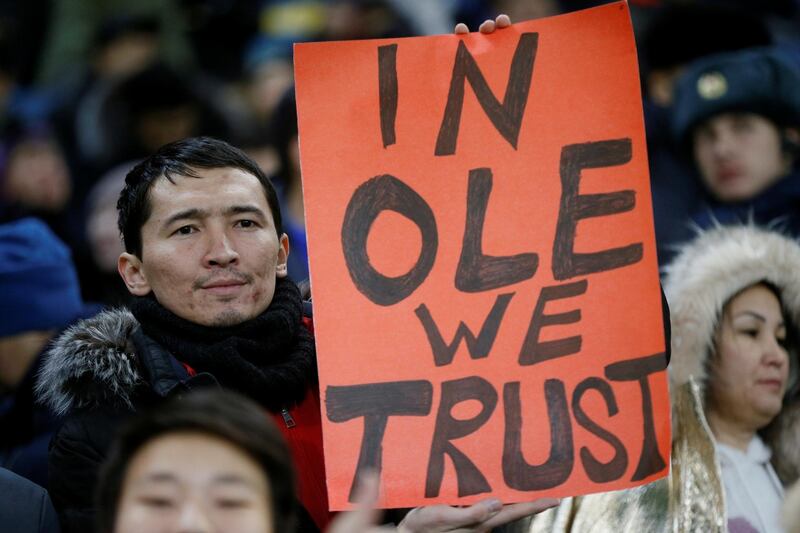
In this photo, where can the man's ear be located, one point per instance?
(282, 270)
(131, 269)
(791, 141)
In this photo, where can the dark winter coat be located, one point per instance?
(25, 506)
(27, 430)
(97, 375)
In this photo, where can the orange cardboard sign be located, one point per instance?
(487, 307)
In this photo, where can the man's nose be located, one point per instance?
(221, 251)
(724, 145)
(194, 519)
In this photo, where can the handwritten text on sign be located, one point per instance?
(487, 308)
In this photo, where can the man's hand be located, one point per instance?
(477, 518)
(364, 518)
(488, 26)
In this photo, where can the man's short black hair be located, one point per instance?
(222, 414)
(181, 158)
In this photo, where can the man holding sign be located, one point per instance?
(206, 260)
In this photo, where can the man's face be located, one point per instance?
(183, 482)
(739, 155)
(210, 252)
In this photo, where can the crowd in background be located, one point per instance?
(89, 88)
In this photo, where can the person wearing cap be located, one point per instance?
(734, 297)
(704, 29)
(738, 116)
(39, 297)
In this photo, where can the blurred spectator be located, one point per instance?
(36, 177)
(101, 282)
(269, 74)
(364, 19)
(520, 10)
(287, 181)
(25, 507)
(208, 461)
(265, 66)
(23, 28)
(75, 23)
(39, 296)
(121, 47)
(703, 30)
(738, 116)
(36, 181)
(154, 107)
(219, 33)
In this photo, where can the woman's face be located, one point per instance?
(751, 366)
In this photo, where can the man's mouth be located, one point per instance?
(727, 174)
(222, 278)
(224, 287)
(223, 283)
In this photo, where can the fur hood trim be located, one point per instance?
(708, 271)
(92, 363)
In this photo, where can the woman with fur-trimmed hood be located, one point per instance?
(734, 296)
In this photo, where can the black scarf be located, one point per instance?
(269, 358)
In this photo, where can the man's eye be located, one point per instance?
(231, 503)
(184, 230)
(246, 223)
(158, 502)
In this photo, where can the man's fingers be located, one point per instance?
(515, 511)
(503, 21)
(440, 518)
(488, 26)
(364, 517)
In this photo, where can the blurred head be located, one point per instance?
(738, 115)
(749, 368)
(161, 107)
(125, 44)
(202, 229)
(364, 19)
(208, 462)
(283, 132)
(268, 64)
(704, 30)
(104, 238)
(39, 287)
(740, 154)
(520, 10)
(37, 176)
(39, 294)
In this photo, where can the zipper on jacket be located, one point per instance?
(287, 417)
